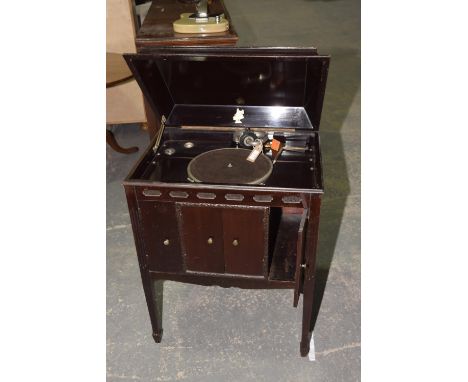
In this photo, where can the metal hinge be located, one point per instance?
(160, 133)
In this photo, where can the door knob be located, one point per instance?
(235, 243)
(166, 242)
(210, 240)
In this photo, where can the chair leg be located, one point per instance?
(111, 141)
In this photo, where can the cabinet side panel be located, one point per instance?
(134, 217)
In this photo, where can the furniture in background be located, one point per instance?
(157, 30)
(124, 99)
(117, 73)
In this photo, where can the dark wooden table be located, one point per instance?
(157, 29)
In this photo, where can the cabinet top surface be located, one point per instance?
(157, 28)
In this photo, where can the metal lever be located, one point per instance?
(202, 9)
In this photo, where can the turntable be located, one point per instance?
(228, 193)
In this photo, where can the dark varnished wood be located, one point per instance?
(274, 225)
(232, 76)
(284, 256)
(309, 274)
(199, 224)
(152, 119)
(245, 235)
(161, 235)
(224, 239)
(299, 274)
(293, 171)
(154, 310)
(157, 29)
(289, 77)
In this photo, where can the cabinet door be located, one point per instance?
(202, 236)
(245, 232)
(225, 239)
(300, 256)
(161, 236)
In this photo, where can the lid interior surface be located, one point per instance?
(181, 83)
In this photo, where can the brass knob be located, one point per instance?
(210, 240)
(235, 243)
(166, 242)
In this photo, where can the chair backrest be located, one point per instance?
(125, 101)
(120, 33)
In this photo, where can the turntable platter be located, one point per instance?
(229, 166)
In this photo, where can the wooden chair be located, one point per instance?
(123, 96)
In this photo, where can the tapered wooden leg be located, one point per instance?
(307, 316)
(153, 288)
(153, 294)
(309, 274)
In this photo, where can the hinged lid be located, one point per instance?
(204, 86)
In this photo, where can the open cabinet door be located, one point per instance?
(300, 256)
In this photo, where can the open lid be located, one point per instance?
(204, 86)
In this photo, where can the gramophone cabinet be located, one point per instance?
(203, 210)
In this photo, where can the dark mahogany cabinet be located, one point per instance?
(224, 239)
(256, 226)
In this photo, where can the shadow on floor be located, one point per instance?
(343, 84)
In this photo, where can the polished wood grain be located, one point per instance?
(154, 309)
(299, 263)
(309, 274)
(202, 236)
(160, 233)
(245, 240)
